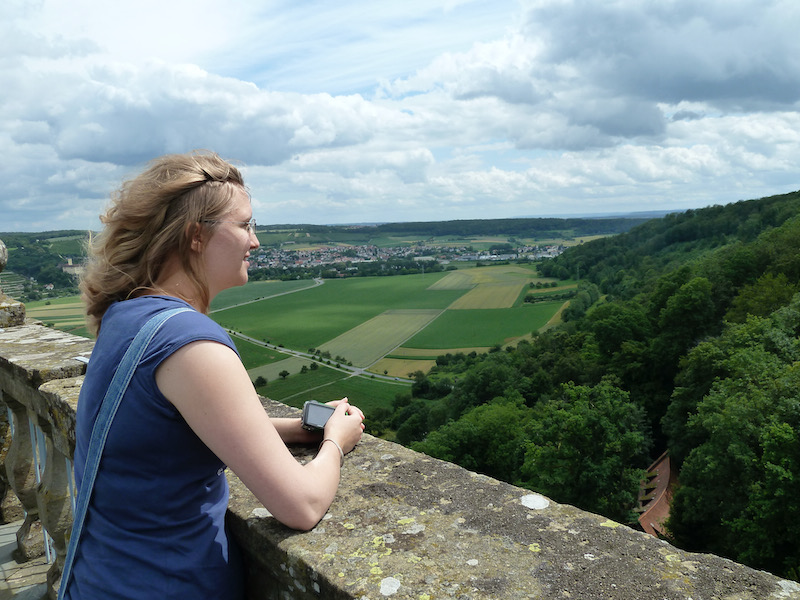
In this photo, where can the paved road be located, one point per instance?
(352, 371)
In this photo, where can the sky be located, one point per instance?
(353, 112)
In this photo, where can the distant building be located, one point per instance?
(73, 269)
(655, 495)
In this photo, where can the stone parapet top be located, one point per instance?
(407, 526)
(37, 354)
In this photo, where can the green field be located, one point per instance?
(257, 290)
(317, 315)
(254, 355)
(66, 314)
(326, 384)
(483, 327)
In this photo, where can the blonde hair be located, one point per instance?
(151, 218)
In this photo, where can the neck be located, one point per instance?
(178, 285)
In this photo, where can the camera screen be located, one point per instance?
(316, 415)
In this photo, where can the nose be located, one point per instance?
(254, 243)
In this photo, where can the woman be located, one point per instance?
(176, 236)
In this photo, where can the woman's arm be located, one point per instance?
(210, 387)
(291, 431)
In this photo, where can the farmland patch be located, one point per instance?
(483, 327)
(464, 279)
(455, 280)
(66, 314)
(255, 355)
(366, 393)
(373, 339)
(489, 295)
(256, 290)
(317, 315)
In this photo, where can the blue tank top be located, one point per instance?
(155, 527)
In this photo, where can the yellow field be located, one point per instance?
(373, 339)
(489, 295)
(455, 280)
(397, 367)
(56, 311)
(464, 279)
(67, 316)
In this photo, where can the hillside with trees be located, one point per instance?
(686, 337)
(521, 227)
(39, 257)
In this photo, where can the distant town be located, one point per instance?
(310, 258)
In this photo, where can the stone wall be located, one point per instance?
(402, 526)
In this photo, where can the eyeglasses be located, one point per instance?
(249, 225)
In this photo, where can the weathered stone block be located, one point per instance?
(12, 312)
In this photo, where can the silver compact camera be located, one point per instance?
(315, 415)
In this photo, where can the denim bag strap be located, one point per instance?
(108, 408)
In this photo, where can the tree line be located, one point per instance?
(686, 337)
(521, 227)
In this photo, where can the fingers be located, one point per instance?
(349, 408)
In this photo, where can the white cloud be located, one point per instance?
(422, 110)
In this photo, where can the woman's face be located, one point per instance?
(226, 252)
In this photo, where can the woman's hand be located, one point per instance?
(346, 424)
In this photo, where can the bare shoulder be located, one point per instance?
(203, 370)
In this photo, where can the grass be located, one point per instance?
(484, 327)
(317, 315)
(256, 290)
(402, 367)
(325, 384)
(396, 324)
(74, 245)
(283, 389)
(272, 371)
(66, 314)
(254, 355)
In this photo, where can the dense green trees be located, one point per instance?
(739, 433)
(580, 446)
(541, 228)
(692, 347)
(587, 445)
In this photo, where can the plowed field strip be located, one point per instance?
(373, 339)
(489, 295)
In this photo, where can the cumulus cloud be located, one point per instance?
(426, 110)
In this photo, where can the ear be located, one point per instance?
(196, 235)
